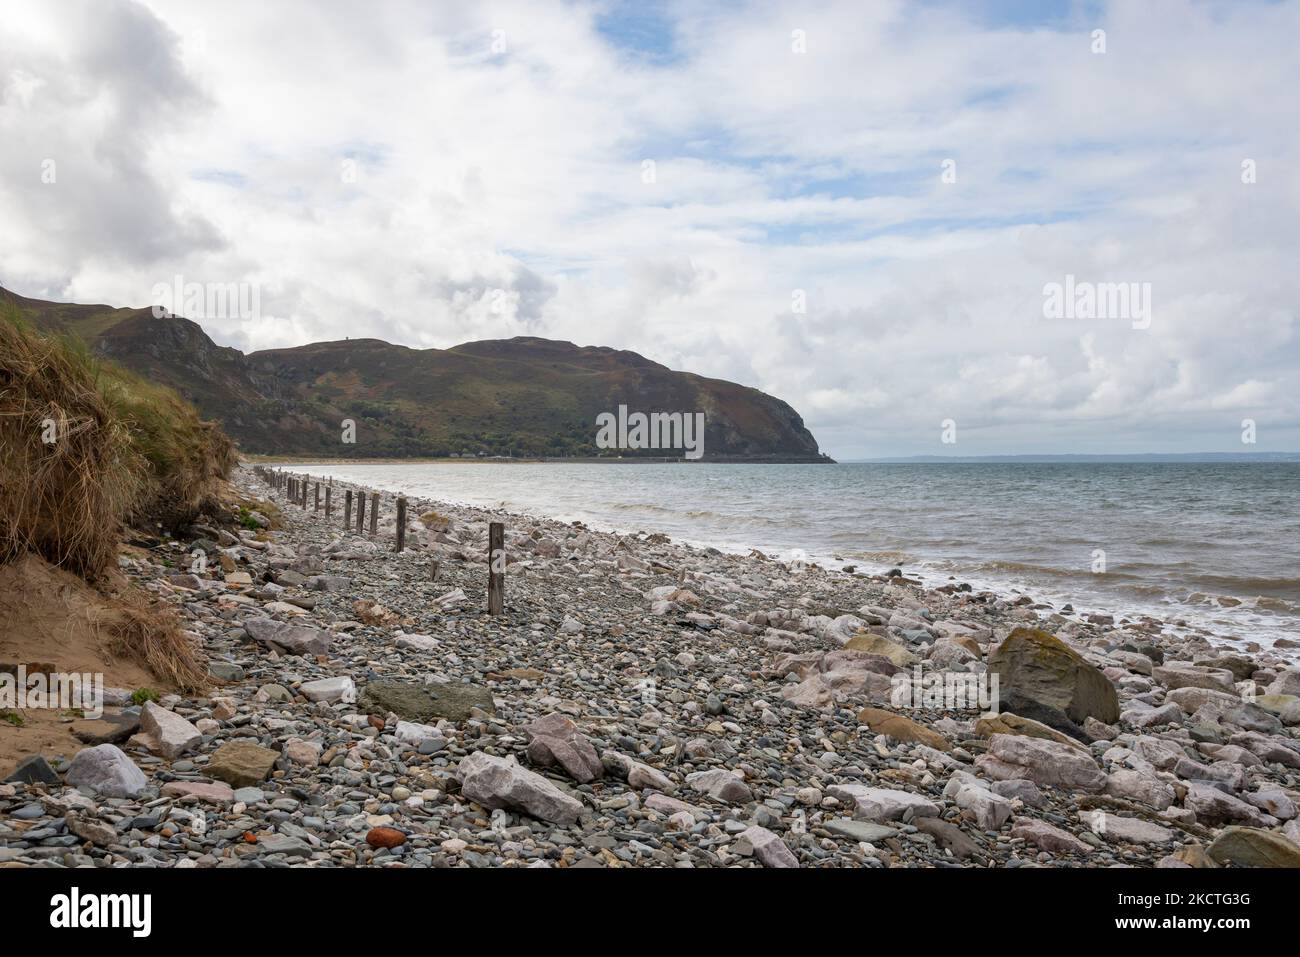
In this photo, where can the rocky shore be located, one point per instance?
(642, 703)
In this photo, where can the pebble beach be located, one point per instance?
(644, 703)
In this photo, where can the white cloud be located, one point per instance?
(501, 192)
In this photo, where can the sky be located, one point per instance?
(872, 209)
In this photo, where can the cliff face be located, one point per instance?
(523, 396)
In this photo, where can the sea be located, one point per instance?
(1214, 545)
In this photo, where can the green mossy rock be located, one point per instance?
(425, 703)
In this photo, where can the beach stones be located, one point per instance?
(166, 733)
(330, 690)
(1125, 830)
(388, 837)
(949, 836)
(648, 741)
(111, 728)
(902, 728)
(864, 831)
(969, 793)
(107, 770)
(880, 645)
(1043, 668)
(1040, 761)
(721, 785)
(33, 770)
(882, 804)
(92, 830)
(557, 741)
(1287, 682)
(214, 793)
(1179, 674)
(1048, 837)
(768, 848)
(1009, 723)
(1137, 786)
(501, 783)
(305, 753)
(1213, 806)
(242, 763)
(295, 639)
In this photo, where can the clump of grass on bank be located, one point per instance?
(187, 458)
(69, 470)
(86, 446)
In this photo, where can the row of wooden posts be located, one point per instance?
(297, 487)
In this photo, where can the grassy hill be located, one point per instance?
(521, 397)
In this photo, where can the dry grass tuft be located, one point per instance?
(150, 634)
(86, 446)
(62, 499)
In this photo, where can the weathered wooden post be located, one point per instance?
(305, 485)
(361, 513)
(374, 514)
(327, 501)
(347, 508)
(315, 507)
(401, 522)
(496, 568)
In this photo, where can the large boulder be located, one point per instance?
(501, 783)
(296, 639)
(1013, 756)
(1045, 669)
(556, 740)
(424, 703)
(1252, 847)
(166, 733)
(880, 645)
(108, 771)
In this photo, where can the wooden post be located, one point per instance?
(305, 485)
(347, 508)
(361, 512)
(401, 522)
(327, 501)
(374, 514)
(316, 503)
(496, 568)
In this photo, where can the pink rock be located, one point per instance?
(214, 793)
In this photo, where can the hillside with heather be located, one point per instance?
(517, 397)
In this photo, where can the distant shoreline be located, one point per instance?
(260, 459)
(1139, 458)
